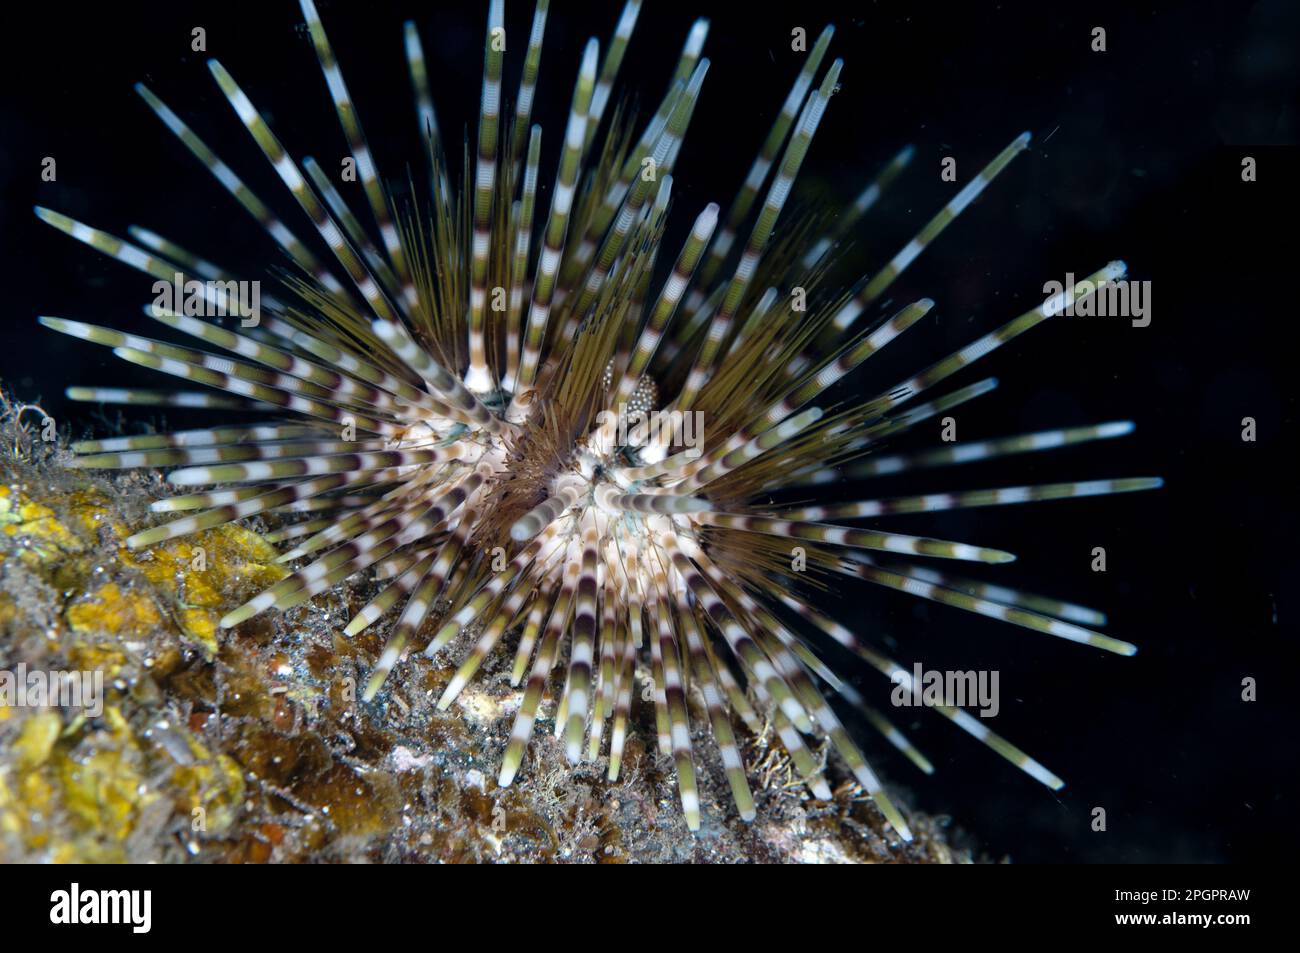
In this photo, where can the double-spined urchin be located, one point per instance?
(539, 426)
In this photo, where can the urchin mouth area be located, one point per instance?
(594, 471)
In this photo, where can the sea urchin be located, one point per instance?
(568, 442)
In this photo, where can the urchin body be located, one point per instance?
(542, 427)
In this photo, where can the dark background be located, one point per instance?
(1136, 155)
